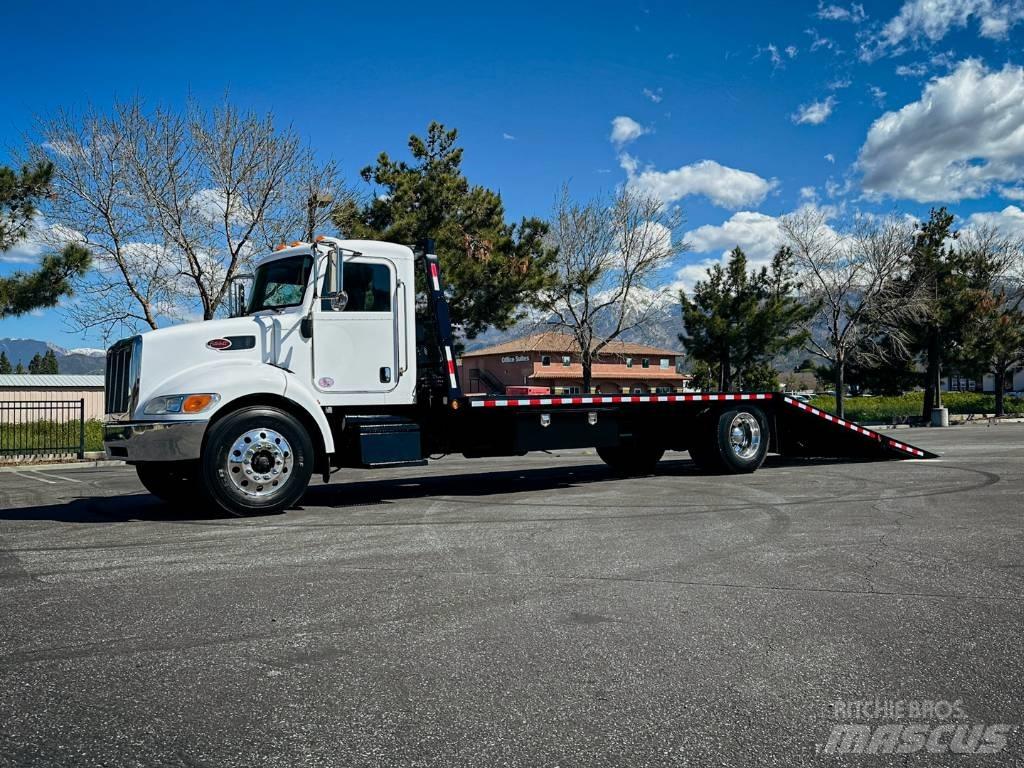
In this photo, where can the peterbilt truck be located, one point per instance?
(338, 358)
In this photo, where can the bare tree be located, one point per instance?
(609, 254)
(854, 277)
(174, 205)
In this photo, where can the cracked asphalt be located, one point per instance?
(531, 612)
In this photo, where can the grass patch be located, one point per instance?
(887, 408)
(46, 436)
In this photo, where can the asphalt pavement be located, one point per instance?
(531, 612)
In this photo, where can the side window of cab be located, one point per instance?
(368, 287)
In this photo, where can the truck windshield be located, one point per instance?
(279, 284)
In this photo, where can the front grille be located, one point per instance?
(122, 375)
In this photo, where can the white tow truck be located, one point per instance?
(325, 366)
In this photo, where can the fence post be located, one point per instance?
(81, 429)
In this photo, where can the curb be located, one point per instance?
(66, 465)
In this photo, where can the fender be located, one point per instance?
(233, 380)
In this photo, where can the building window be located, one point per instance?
(663, 362)
(573, 390)
(629, 362)
(645, 363)
(566, 360)
(545, 359)
(638, 390)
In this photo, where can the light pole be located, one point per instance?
(316, 201)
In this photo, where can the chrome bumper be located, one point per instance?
(154, 441)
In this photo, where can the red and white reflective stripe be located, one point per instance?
(908, 448)
(434, 277)
(613, 399)
(451, 363)
(834, 419)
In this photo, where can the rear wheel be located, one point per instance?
(257, 461)
(631, 459)
(172, 481)
(733, 441)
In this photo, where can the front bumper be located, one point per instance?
(154, 440)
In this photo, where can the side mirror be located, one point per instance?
(339, 301)
(236, 295)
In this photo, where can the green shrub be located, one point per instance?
(29, 436)
(886, 408)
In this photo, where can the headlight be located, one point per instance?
(160, 406)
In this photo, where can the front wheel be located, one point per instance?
(257, 461)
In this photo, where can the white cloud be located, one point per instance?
(791, 51)
(1009, 221)
(808, 193)
(41, 238)
(626, 129)
(917, 69)
(840, 83)
(831, 158)
(756, 233)
(815, 113)
(878, 95)
(817, 41)
(723, 186)
(1012, 193)
(508, 137)
(960, 139)
(773, 54)
(931, 20)
(855, 13)
(656, 95)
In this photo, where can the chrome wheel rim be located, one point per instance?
(260, 462)
(745, 435)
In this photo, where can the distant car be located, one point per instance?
(801, 398)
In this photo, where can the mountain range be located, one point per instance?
(82, 360)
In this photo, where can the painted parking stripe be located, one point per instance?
(59, 477)
(36, 477)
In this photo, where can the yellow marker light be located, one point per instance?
(196, 403)
(297, 242)
(321, 238)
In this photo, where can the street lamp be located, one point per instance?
(316, 201)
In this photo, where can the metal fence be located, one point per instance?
(47, 427)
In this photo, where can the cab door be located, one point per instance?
(356, 348)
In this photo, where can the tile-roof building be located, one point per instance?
(551, 360)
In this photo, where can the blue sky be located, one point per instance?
(738, 113)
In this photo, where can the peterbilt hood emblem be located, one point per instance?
(219, 344)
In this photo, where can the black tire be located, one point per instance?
(630, 460)
(244, 444)
(715, 449)
(172, 481)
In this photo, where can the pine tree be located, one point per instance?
(956, 284)
(49, 363)
(20, 369)
(22, 292)
(492, 268)
(5, 364)
(738, 320)
(35, 365)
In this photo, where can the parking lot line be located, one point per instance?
(36, 477)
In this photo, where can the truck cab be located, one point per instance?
(327, 328)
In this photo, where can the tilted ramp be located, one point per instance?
(804, 430)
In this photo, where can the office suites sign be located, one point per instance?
(515, 359)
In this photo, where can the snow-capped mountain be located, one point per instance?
(662, 328)
(80, 360)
